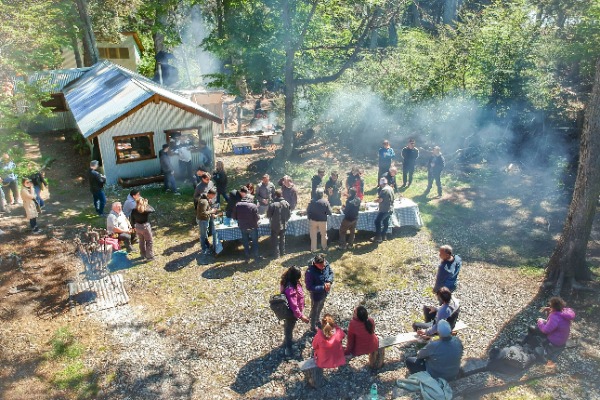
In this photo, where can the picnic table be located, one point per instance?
(227, 142)
(406, 213)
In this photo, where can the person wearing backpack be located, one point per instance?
(292, 288)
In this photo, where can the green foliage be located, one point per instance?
(64, 346)
(76, 377)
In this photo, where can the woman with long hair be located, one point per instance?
(139, 218)
(327, 344)
(355, 180)
(292, 288)
(220, 178)
(361, 334)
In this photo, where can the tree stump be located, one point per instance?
(314, 377)
(376, 358)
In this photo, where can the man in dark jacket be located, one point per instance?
(409, 156)
(447, 273)
(167, 169)
(97, 181)
(279, 215)
(246, 214)
(316, 182)
(317, 212)
(435, 165)
(385, 199)
(204, 213)
(318, 280)
(351, 210)
(235, 196)
(289, 191)
(203, 187)
(391, 178)
(333, 188)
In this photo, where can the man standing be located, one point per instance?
(235, 196)
(435, 165)
(440, 358)
(317, 213)
(9, 184)
(131, 202)
(447, 273)
(185, 163)
(264, 193)
(391, 178)
(204, 212)
(351, 210)
(289, 191)
(207, 156)
(409, 156)
(203, 187)
(333, 188)
(118, 224)
(386, 207)
(318, 280)
(246, 214)
(386, 156)
(279, 215)
(316, 182)
(97, 181)
(167, 169)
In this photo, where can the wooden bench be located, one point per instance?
(313, 375)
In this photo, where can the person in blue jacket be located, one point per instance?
(386, 156)
(447, 273)
(318, 280)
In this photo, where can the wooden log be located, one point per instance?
(376, 358)
(314, 377)
(486, 381)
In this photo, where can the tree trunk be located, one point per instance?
(450, 10)
(290, 87)
(568, 260)
(90, 50)
(76, 52)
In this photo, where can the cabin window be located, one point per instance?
(114, 53)
(132, 148)
(188, 137)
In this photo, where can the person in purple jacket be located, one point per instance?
(292, 288)
(557, 327)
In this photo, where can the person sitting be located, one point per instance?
(361, 334)
(440, 358)
(448, 310)
(118, 225)
(557, 327)
(327, 344)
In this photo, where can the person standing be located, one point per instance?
(97, 181)
(9, 183)
(204, 212)
(386, 208)
(435, 165)
(30, 204)
(203, 187)
(440, 358)
(361, 334)
(246, 214)
(317, 212)
(386, 156)
(316, 182)
(351, 210)
(318, 280)
(185, 162)
(167, 169)
(234, 197)
(131, 202)
(333, 188)
(409, 160)
(119, 226)
(220, 179)
(327, 344)
(279, 215)
(207, 156)
(391, 178)
(292, 288)
(39, 183)
(265, 191)
(447, 273)
(143, 229)
(289, 191)
(356, 181)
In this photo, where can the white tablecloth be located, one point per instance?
(406, 213)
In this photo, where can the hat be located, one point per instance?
(444, 329)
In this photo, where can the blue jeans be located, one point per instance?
(99, 201)
(203, 226)
(170, 182)
(383, 218)
(247, 235)
(39, 199)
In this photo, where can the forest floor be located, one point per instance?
(200, 328)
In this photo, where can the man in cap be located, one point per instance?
(440, 358)
(386, 208)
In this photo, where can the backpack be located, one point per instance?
(280, 307)
(511, 359)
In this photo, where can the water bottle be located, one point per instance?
(374, 395)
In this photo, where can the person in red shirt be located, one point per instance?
(327, 344)
(361, 334)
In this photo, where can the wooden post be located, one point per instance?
(314, 377)
(376, 358)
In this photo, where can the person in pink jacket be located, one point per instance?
(327, 344)
(558, 325)
(292, 288)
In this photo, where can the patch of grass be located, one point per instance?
(534, 268)
(76, 377)
(64, 346)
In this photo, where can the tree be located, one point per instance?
(567, 263)
(90, 50)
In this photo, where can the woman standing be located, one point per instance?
(220, 178)
(356, 181)
(30, 204)
(327, 344)
(139, 217)
(292, 288)
(361, 334)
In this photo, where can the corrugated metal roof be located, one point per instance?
(54, 81)
(108, 91)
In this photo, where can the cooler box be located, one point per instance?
(242, 148)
